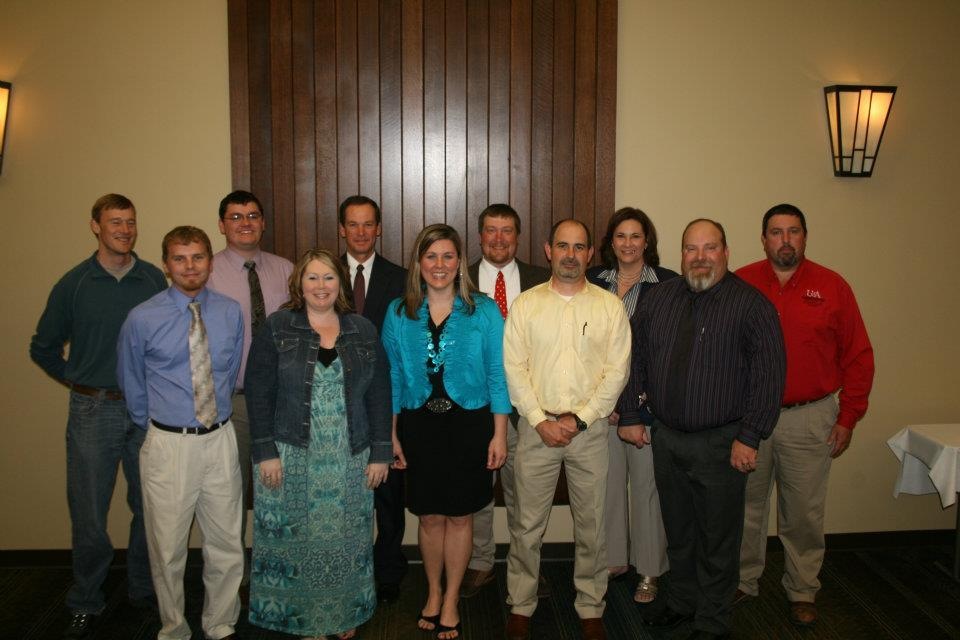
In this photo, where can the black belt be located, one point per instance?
(199, 431)
(794, 405)
(94, 392)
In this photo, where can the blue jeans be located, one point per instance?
(100, 435)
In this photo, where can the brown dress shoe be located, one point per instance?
(474, 580)
(803, 614)
(518, 627)
(592, 629)
(740, 596)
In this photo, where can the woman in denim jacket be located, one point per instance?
(318, 393)
(450, 405)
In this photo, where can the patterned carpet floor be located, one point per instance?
(868, 593)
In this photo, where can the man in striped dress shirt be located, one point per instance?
(709, 363)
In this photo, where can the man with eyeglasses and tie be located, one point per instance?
(178, 356)
(375, 282)
(502, 277)
(258, 281)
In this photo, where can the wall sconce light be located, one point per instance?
(857, 116)
(5, 88)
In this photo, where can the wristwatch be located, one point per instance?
(581, 425)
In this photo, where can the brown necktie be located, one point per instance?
(258, 312)
(201, 369)
(359, 290)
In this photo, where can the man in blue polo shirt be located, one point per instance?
(85, 309)
(177, 360)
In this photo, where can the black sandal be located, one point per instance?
(434, 620)
(442, 628)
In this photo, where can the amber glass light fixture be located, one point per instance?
(857, 116)
(5, 88)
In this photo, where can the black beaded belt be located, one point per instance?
(94, 392)
(794, 405)
(199, 431)
(439, 405)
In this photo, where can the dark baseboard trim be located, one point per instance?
(550, 550)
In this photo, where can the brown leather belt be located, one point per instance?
(94, 392)
(794, 405)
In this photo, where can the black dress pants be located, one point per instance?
(389, 563)
(702, 501)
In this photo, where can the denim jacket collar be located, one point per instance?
(347, 324)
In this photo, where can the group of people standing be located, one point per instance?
(358, 388)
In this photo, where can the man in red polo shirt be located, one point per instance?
(828, 350)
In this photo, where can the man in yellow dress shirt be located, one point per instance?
(566, 353)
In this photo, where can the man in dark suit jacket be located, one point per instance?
(375, 282)
(499, 227)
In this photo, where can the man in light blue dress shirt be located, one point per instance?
(187, 468)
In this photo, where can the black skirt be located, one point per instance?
(447, 460)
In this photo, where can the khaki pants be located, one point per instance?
(182, 476)
(797, 457)
(484, 543)
(633, 522)
(536, 470)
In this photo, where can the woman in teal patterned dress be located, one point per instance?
(318, 393)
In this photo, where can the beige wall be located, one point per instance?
(108, 95)
(720, 114)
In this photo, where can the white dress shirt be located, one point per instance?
(487, 278)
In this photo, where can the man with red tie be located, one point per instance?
(501, 276)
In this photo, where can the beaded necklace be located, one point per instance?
(437, 356)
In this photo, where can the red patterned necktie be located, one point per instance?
(500, 294)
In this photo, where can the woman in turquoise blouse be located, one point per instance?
(444, 341)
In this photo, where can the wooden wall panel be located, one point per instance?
(391, 128)
(325, 117)
(455, 116)
(563, 75)
(259, 96)
(434, 100)
(348, 151)
(412, 218)
(368, 97)
(281, 125)
(478, 98)
(520, 16)
(498, 134)
(584, 114)
(435, 108)
(304, 127)
(541, 150)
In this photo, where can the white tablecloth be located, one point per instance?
(929, 457)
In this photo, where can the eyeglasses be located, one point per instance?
(253, 216)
